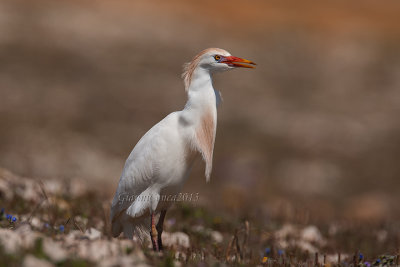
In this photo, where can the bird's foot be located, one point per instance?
(154, 240)
(159, 242)
(159, 229)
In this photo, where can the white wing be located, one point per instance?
(140, 168)
(140, 171)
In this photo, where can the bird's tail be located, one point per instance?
(130, 227)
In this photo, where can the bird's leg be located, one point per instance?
(160, 228)
(153, 233)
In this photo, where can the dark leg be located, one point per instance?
(160, 228)
(153, 233)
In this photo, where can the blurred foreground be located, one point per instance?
(66, 224)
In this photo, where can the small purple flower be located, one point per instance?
(367, 264)
(360, 256)
(281, 252)
(267, 250)
(46, 225)
(14, 219)
(378, 261)
(61, 228)
(172, 221)
(8, 216)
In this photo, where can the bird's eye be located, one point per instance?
(217, 57)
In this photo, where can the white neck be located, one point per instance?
(201, 96)
(200, 116)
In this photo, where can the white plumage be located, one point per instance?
(161, 161)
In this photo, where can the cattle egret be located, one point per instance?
(161, 161)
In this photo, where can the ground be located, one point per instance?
(67, 224)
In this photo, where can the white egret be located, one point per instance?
(161, 161)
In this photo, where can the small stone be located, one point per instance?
(285, 231)
(217, 236)
(72, 236)
(26, 235)
(9, 240)
(31, 261)
(35, 222)
(93, 233)
(54, 251)
(99, 250)
(53, 187)
(312, 234)
(176, 239)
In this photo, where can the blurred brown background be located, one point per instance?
(315, 126)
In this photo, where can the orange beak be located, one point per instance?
(236, 62)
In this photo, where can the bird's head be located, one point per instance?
(216, 59)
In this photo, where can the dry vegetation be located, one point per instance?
(66, 224)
